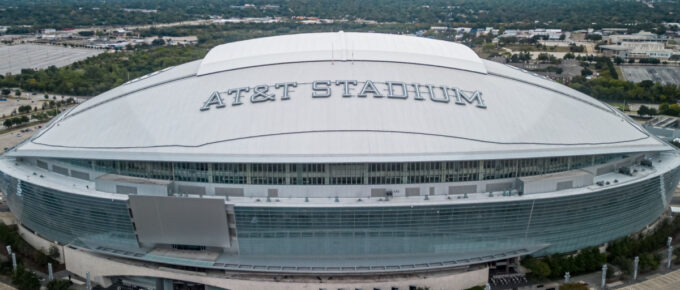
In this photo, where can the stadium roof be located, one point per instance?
(159, 116)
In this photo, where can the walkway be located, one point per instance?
(670, 281)
(4, 286)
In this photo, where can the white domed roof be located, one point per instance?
(347, 105)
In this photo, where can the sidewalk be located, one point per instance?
(669, 281)
(4, 286)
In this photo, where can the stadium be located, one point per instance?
(347, 155)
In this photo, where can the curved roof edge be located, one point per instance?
(340, 158)
(340, 46)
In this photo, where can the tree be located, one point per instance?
(25, 280)
(53, 252)
(8, 123)
(576, 48)
(643, 111)
(594, 37)
(618, 60)
(6, 92)
(647, 84)
(649, 262)
(158, 42)
(59, 285)
(586, 72)
(24, 109)
(539, 269)
(574, 286)
(17, 93)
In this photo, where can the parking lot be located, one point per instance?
(13, 138)
(13, 103)
(661, 74)
(13, 58)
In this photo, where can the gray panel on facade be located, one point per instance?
(605, 169)
(190, 189)
(60, 170)
(412, 191)
(42, 164)
(126, 189)
(180, 221)
(378, 192)
(462, 189)
(498, 186)
(431, 190)
(144, 186)
(228, 191)
(565, 185)
(272, 192)
(80, 174)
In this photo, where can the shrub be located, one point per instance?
(58, 285)
(53, 252)
(573, 286)
(25, 280)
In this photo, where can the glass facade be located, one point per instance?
(343, 173)
(67, 217)
(378, 234)
(563, 223)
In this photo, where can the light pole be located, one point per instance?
(670, 252)
(50, 275)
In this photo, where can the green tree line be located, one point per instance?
(620, 253)
(619, 90)
(101, 73)
(566, 14)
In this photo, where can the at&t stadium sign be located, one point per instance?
(348, 88)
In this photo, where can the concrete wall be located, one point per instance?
(114, 186)
(556, 181)
(79, 262)
(40, 243)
